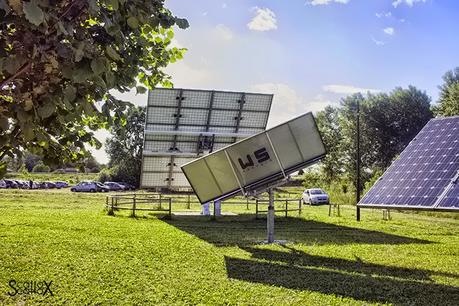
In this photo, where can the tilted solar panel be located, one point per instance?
(425, 176)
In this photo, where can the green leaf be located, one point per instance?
(33, 12)
(113, 3)
(79, 52)
(132, 22)
(28, 133)
(82, 74)
(141, 90)
(70, 93)
(3, 168)
(13, 63)
(4, 125)
(4, 6)
(112, 53)
(46, 110)
(98, 65)
(182, 23)
(110, 79)
(93, 7)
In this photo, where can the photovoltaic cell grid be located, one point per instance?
(195, 111)
(425, 176)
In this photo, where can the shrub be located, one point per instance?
(40, 167)
(105, 175)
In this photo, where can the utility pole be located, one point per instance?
(358, 162)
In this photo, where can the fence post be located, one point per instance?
(256, 208)
(189, 202)
(170, 208)
(133, 205)
(160, 198)
(247, 199)
(299, 207)
(286, 208)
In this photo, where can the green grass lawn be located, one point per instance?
(93, 258)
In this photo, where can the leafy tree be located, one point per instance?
(448, 104)
(40, 167)
(60, 62)
(392, 121)
(388, 122)
(328, 124)
(125, 147)
(30, 160)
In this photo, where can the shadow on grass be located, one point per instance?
(357, 280)
(236, 231)
(294, 257)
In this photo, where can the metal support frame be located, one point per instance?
(239, 114)
(180, 98)
(358, 163)
(270, 217)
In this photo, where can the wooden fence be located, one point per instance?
(163, 203)
(139, 202)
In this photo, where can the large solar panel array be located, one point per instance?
(184, 124)
(426, 175)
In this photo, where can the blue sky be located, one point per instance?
(312, 53)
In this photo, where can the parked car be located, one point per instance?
(21, 184)
(315, 196)
(114, 186)
(89, 187)
(10, 184)
(127, 186)
(49, 185)
(61, 184)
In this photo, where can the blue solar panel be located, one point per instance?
(425, 174)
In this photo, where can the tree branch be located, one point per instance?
(23, 69)
(26, 66)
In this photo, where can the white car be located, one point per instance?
(315, 196)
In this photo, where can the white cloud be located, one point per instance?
(264, 20)
(326, 2)
(224, 6)
(287, 103)
(410, 3)
(384, 14)
(377, 42)
(347, 89)
(204, 13)
(223, 32)
(389, 31)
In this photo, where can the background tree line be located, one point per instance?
(388, 122)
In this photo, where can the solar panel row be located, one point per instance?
(425, 174)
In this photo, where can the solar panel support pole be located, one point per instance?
(270, 216)
(358, 162)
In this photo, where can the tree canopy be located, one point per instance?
(124, 147)
(60, 62)
(448, 104)
(388, 122)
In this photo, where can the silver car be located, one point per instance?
(315, 196)
(89, 187)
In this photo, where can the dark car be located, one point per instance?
(21, 184)
(49, 185)
(61, 184)
(114, 186)
(127, 186)
(10, 184)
